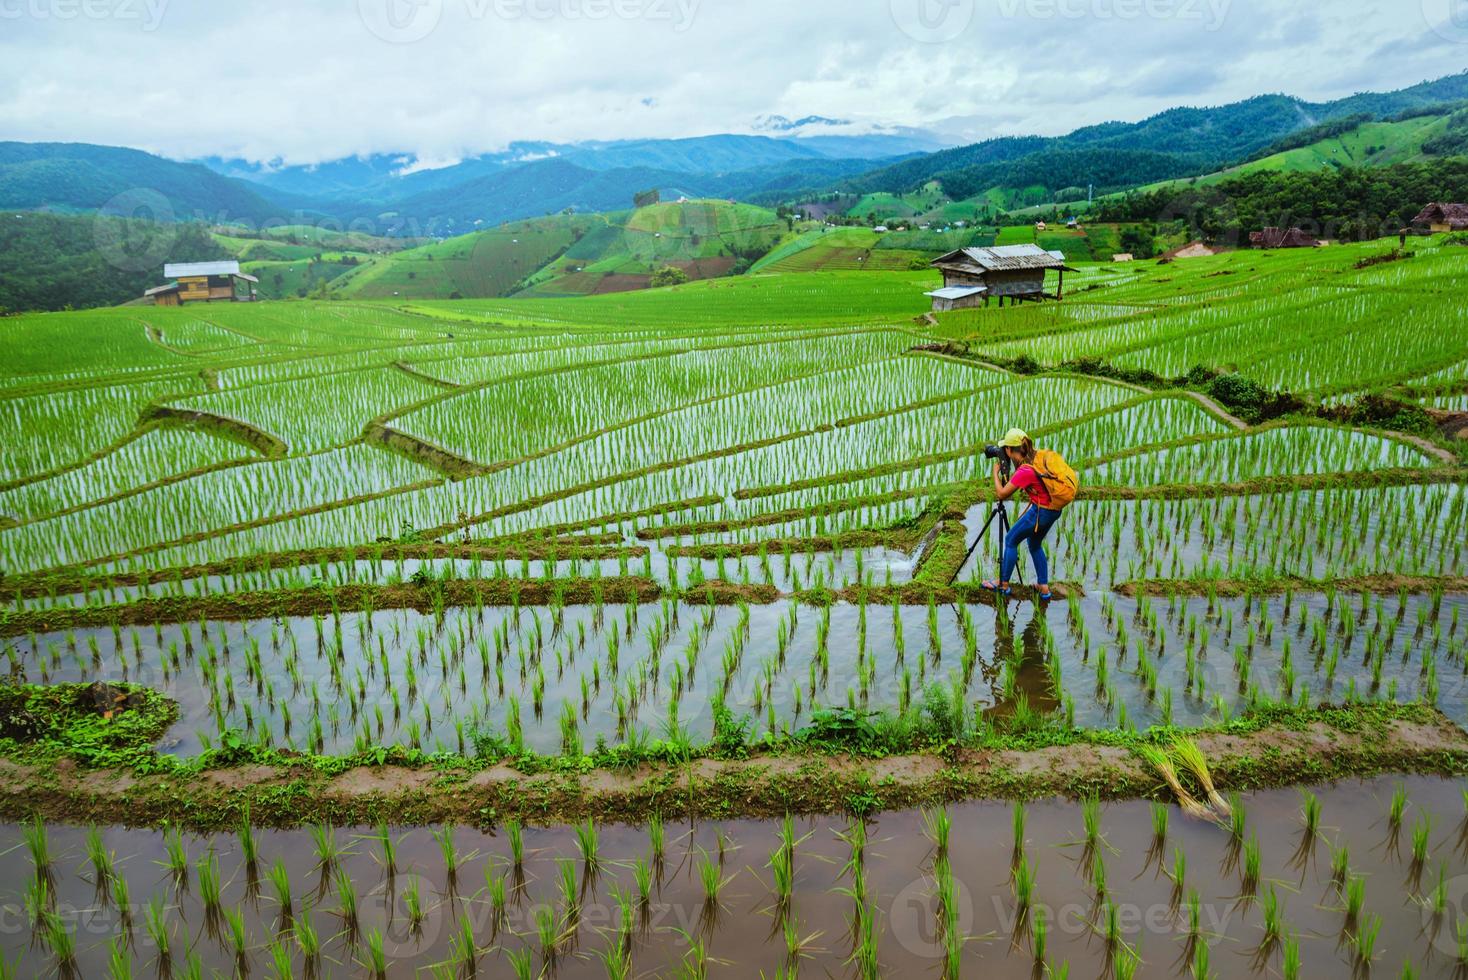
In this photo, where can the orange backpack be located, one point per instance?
(1058, 477)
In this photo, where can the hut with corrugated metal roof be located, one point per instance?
(203, 282)
(972, 276)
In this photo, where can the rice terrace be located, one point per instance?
(860, 545)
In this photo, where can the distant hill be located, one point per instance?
(55, 261)
(1178, 142)
(576, 254)
(385, 177)
(84, 177)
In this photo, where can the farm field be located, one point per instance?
(636, 634)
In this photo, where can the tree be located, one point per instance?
(646, 198)
(668, 275)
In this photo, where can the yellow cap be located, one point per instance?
(1013, 439)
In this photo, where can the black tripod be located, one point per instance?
(1000, 513)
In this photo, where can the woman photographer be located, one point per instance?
(1049, 484)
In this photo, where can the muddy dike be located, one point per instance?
(438, 594)
(94, 762)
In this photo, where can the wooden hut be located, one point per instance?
(1282, 238)
(1443, 217)
(971, 275)
(203, 282)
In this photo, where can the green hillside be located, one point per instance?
(1371, 144)
(485, 263)
(706, 239)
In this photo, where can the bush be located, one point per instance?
(668, 276)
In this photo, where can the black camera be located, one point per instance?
(994, 452)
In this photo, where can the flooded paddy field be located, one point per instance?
(1357, 878)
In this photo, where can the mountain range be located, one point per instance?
(400, 195)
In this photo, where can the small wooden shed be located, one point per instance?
(203, 282)
(1014, 271)
(1443, 217)
(1282, 238)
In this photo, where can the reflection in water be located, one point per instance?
(981, 885)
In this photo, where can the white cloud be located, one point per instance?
(311, 80)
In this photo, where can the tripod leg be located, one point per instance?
(997, 512)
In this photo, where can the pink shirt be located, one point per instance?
(1027, 480)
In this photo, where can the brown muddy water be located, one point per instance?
(740, 932)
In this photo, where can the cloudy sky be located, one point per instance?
(311, 80)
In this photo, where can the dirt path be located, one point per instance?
(1331, 744)
(1435, 451)
(1216, 409)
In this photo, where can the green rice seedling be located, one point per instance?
(307, 940)
(1039, 935)
(782, 869)
(939, 827)
(1024, 886)
(1364, 939)
(160, 932)
(465, 950)
(1017, 822)
(249, 847)
(586, 841)
(656, 840)
(1160, 814)
(1098, 873)
(413, 903)
(177, 858)
(1289, 966)
(122, 901)
(522, 964)
(1091, 823)
(1238, 820)
(549, 934)
(282, 960)
(1201, 970)
(239, 938)
(1272, 914)
(1398, 807)
(1125, 964)
(1460, 936)
(39, 846)
(864, 957)
(1340, 864)
(346, 903)
(119, 960)
(1158, 760)
(1250, 882)
(280, 883)
(1179, 867)
(101, 860)
(516, 835)
(376, 960)
(61, 942)
(495, 890)
(328, 851)
(38, 901)
(1421, 837)
(1310, 814)
(449, 849)
(388, 850)
(210, 885)
(570, 897)
(1192, 758)
(1355, 900)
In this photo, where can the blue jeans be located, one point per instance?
(1032, 526)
